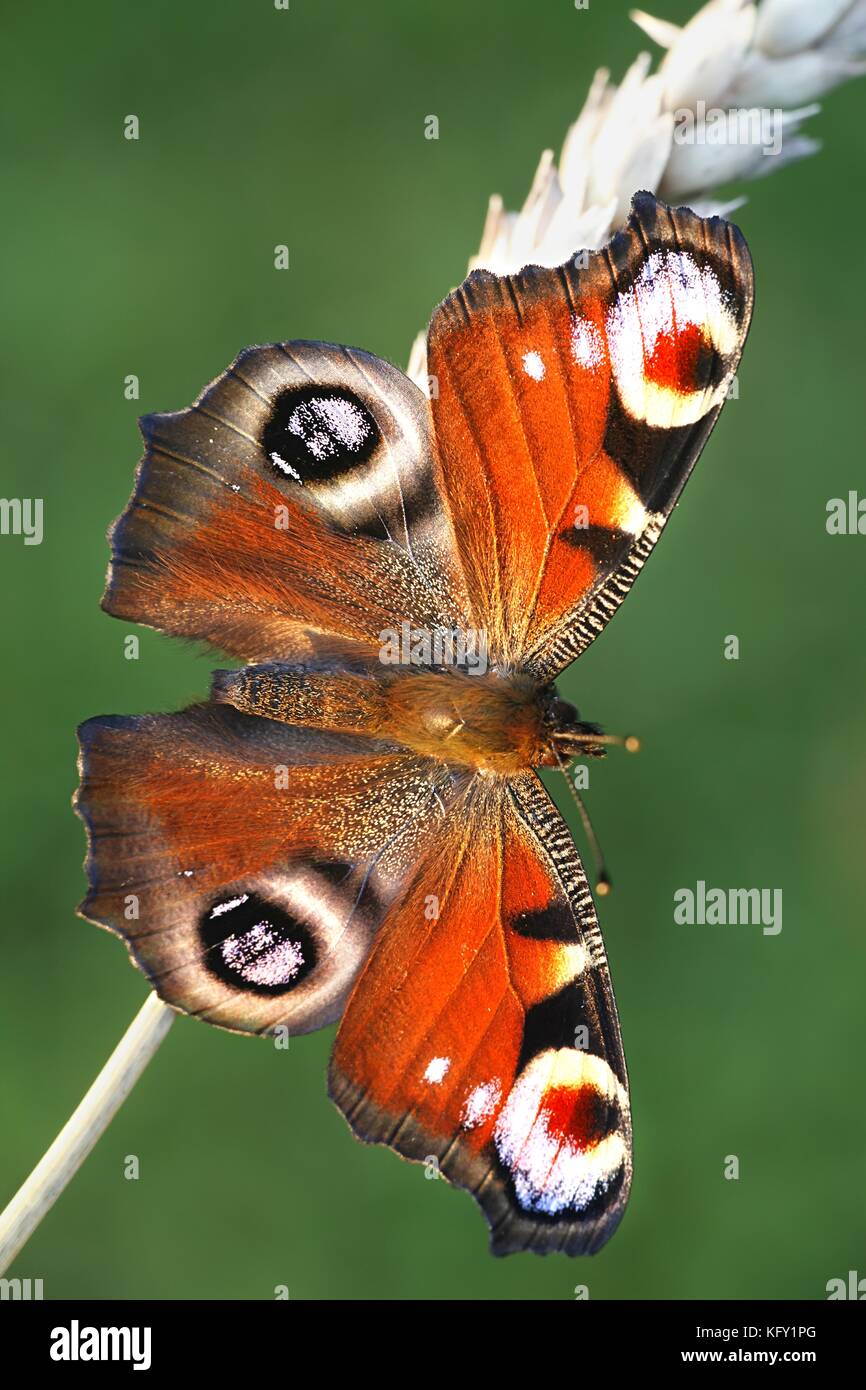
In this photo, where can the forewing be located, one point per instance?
(291, 506)
(570, 407)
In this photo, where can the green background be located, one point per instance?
(260, 127)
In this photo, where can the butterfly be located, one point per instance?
(351, 828)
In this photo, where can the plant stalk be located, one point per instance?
(92, 1117)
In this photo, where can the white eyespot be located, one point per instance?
(229, 905)
(656, 333)
(436, 1069)
(533, 365)
(480, 1104)
(262, 957)
(328, 425)
(284, 467)
(587, 344)
(634, 518)
(569, 963)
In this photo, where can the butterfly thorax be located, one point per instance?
(490, 722)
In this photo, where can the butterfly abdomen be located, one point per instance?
(340, 702)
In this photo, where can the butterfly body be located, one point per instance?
(350, 828)
(491, 723)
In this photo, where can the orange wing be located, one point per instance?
(245, 862)
(483, 1031)
(570, 407)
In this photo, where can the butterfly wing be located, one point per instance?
(292, 505)
(245, 862)
(483, 1031)
(570, 408)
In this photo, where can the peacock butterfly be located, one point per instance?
(350, 827)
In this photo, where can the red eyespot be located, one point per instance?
(579, 1114)
(675, 359)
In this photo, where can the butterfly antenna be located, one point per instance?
(630, 742)
(603, 884)
(580, 741)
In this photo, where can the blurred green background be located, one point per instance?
(155, 257)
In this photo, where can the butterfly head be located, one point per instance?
(559, 715)
(568, 736)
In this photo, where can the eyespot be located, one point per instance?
(560, 1132)
(317, 433)
(673, 339)
(587, 344)
(283, 946)
(255, 944)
